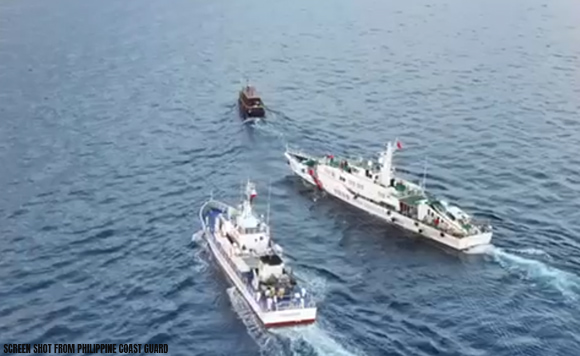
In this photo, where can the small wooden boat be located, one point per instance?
(250, 103)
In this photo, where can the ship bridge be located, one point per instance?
(252, 234)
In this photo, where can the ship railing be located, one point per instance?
(286, 303)
(299, 152)
(482, 224)
(294, 303)
(282, 303)
(208, 205)
(446, 231)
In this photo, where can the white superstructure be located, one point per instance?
(373, 187)
(241, 243)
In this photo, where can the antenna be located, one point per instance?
(242, 191)
(211, 195)
(269, 194)
(425, 174)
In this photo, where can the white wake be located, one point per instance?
(522, 263)
(311, 340)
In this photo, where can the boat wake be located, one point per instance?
(314, 283)
(270, 129)
(268, 343)
(278, 125)
(311, 340)
(252, 120)
(314, 340)
(520, 262)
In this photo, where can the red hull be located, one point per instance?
(290, 323)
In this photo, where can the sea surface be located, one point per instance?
(119, 118)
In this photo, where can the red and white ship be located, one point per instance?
(241, 243)
(373, 187)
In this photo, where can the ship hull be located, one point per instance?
(251, 112)
(336, 189)
(270, 319)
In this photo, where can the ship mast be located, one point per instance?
(268, 211)
(386, 165)
(425, 175)
(242, 191)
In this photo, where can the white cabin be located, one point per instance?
(251, 234)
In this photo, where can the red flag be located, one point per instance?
(399, 145)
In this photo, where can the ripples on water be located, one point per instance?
(118, 118)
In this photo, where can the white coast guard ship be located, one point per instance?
(241, 243)
(373, 187)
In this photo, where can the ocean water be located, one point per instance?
(118, 119)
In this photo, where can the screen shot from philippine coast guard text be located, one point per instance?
(86, 348)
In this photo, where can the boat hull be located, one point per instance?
(251, 112)
(335, 188)
(270, 319)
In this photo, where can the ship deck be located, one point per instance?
(285, 301)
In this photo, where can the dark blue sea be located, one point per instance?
(119, 118)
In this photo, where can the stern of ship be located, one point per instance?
(287, 318)
(469, 242)
(255, 112)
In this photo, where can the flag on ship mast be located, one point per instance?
(399, 144)
(253, 194)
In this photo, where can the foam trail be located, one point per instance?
(314, 283)
(269, 129)
(531, 251)
(251, 120)
(303, 340)
(300, 340)
(267, 342)
(565, 282)
(313, 339)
